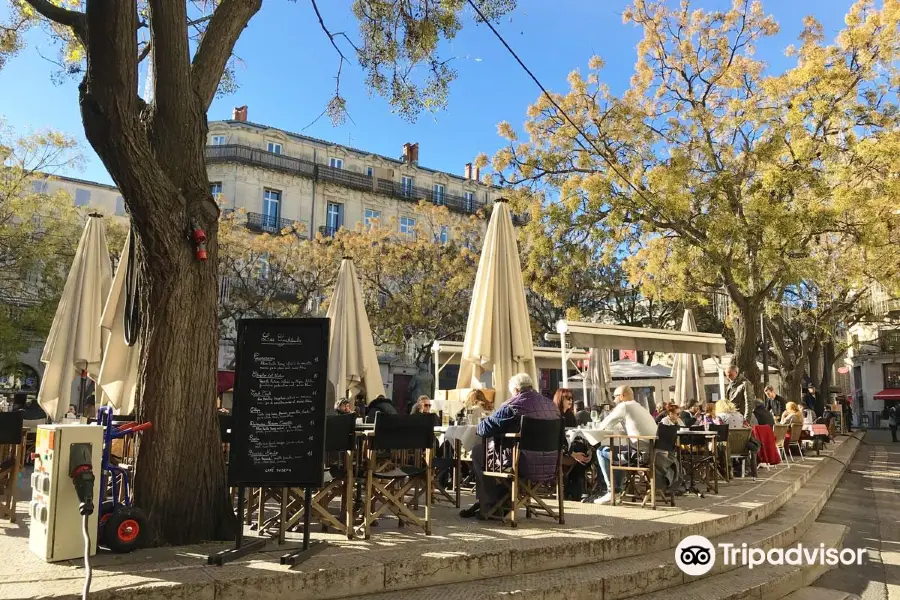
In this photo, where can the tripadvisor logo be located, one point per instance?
(696, 555)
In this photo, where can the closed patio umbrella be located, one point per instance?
(119, 372)
(352, 361)
(75, 342)
(688, 369)
(498, 333)
(601, 378)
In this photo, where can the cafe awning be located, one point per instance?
(888, 394)
(620, 337)
(450, 353)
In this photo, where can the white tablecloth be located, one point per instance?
(466, 434)
(593, 437)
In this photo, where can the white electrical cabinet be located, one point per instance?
(56, 524)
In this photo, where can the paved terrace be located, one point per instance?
(402, 558)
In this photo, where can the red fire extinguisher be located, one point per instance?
(199, 238)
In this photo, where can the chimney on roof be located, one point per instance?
(477, 176)
(411, 153)
(468, 172)
(240, 113)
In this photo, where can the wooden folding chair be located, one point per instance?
(544, 436)
(12, 450)
(780, 435)
(737, 450)
(404, 433)
(639, 466)
(796, 434)
(340, 440)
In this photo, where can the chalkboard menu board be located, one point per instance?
(281, 373)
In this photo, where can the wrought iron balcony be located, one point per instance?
(268, 223)
(247, 155)
(255, 157)
(327, 231)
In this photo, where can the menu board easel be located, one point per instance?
(278, 430)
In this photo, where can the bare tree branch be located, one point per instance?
(225, 26)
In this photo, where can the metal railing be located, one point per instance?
(269, 223)
(255, 157)
(297, 166)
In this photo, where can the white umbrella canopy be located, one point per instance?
(352, 361)
(75, 342)
(498, 333)
(688, 369)
(601, 377)
(119, 371)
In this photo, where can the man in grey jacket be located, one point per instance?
(740, 392)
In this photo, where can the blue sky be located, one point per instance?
(287, 72)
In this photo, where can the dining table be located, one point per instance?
(699, 456)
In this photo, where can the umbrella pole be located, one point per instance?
(81, 394)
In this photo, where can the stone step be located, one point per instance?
(639, 575)
(820, 593)
(759, 583)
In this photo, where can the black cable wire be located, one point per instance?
(132, 303)
(565, 115)
(87, 557)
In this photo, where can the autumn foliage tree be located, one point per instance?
(154, 151)
(726, 172)
(418, 283)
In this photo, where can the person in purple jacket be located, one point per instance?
(536, 466)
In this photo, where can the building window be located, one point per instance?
(444, 235)
(334, 217)
(407, 184)
(470, 201)
(371, 215)
(264, 266)
(407, 226)
(120, 206)
(274, 147)
(892, 376)
(438, 193)
(82, 197)
(39, 187)
(215, 189)
(370, 171)
(336, 163)
(271, 209)
(218, 140)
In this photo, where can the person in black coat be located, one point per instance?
(763, 415)
(379, 404)
(809, 398)
(774, 402)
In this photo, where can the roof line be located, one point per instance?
(352, 149)
(111, 188)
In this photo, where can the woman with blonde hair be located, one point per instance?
(792, 414)
(728, 414)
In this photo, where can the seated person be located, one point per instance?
(691, 413)
(673, 416)
(709, 416)
(728, 414)
(564, 402)
(343, 407)
(477, 404)
(423, 407)
(379, 404)
(762, 415)
(635, 419)
(792, 414)
(542, 466)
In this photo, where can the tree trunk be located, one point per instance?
(154, 153)
(791, 380)
(745, 323)
(827, 363)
